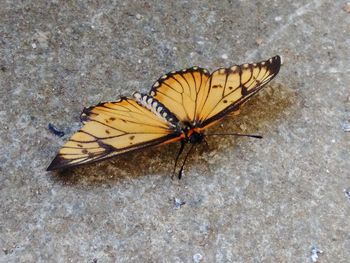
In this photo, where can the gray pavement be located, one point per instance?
(246, 200)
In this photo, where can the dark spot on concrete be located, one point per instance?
(3, 68)
(55, 130)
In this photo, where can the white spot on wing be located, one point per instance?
(282, 60)
(137, 95)
(234, 68)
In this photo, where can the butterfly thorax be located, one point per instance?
(184, 127)
(195, 137)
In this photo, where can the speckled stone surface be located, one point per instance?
(246, 200)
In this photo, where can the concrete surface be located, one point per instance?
(246, 200)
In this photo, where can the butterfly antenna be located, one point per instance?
(236, 134)
(183, 164)
(177, 157)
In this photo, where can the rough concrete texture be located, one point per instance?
(246, 200)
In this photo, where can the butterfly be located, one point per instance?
(179, 108)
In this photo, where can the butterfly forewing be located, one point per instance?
(113, 128)
(228, 88)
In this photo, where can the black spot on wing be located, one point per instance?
(244, 91)
(274, 65)
(87, 113)
(57, 163)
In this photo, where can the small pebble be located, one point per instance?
(224, 56)
(278, 18)
(178, 203)
(346, 127)
(197, 258)
(347, 193)
(314, 254)
(259, 41)
(34, 45)
(138, 16)
(346, 8)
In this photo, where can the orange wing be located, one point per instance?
(201, 99)
(181, 92)
(228, 88)
(113, 128)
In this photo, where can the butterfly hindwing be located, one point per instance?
(179, 91)
(113, 128)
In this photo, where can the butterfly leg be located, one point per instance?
(182, 146)
(183, 164)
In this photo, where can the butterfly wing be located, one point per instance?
(181, 91)
(197, 97)
(113, 128)
(228, 88)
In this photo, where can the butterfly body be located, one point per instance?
(181, 106)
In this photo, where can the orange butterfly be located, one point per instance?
(179, 107)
